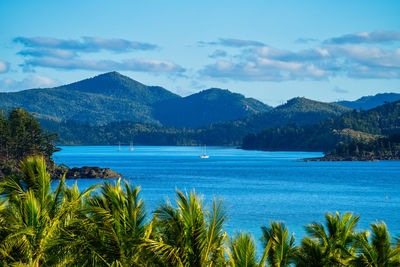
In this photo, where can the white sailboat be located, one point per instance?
(204, 155)
(119, 146)
(131, 147)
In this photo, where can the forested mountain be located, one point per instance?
(298, 111)
(104, 98)
(205, 107)
(324, 136)
(368, 102)
(113, 97)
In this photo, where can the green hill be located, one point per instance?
(208, 106)
(113, 97)
(298, 110)
(324, 136)
(99, 100)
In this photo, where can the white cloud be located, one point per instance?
(143, 65)
(3, 66)
(32, 81)
(366, 37)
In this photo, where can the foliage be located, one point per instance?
(113, 97)
(22, 136)
(107, 225)
(206, 107)
(324, 136)
(299, 110)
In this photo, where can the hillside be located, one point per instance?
(324, 136)
(113, 97)
(369, 102)
(208, 106)
(99, 100)
(298, 110)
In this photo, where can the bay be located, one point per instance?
(256, 186)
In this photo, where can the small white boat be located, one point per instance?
(204, 155)
(119, 146)
(131, 147)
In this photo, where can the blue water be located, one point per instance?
(256, 186)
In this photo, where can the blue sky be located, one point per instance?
(270, 50)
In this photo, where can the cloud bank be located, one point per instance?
(87, 44)
(66, 55)
(230, 42)
(141, 65)
(366, 37)
(329, 59)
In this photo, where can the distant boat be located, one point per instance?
(204, 155)
(131, 147)
(119, 146)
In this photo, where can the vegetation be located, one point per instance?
(22, 136)
(41, 226)
(382, 148)
(113, 97)
(206, 107)
(300, 111)
(357, 126)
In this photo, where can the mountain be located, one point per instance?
(113, 97)
(298, 111)
(208, 106)
(99, 100)
(325, 135)
(368, 102)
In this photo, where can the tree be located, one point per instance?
(379, 252)
(282, 251)
(34, 215)
(112, 228)
(337, 239)
(242, 252)
(189, 234)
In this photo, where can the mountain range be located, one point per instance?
(113, 97)
(114, 108)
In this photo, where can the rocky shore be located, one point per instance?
(352, 158)
(86, 173)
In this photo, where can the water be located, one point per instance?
(256, 186)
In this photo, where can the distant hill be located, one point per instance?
(325, 135)
(368, 102)
(99, 100)
(298, 111)
(113, 97)
(208, 106)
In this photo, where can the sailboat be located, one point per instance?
(204, 155)
(119, 146)
(131, 147)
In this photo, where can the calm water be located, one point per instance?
(257, 187)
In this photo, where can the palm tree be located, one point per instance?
(242, 252)
(311, 254)
(338, 239)
(33, 215)
(189, 234)
(282, 251)
(112, 228)
(379, 252)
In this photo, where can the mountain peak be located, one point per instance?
(114, 84)
(302, 104)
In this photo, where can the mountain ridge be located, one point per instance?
(102, 99)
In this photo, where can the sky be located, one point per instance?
(269, 50)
